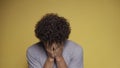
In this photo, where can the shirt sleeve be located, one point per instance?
(77, 59)
(32, 62)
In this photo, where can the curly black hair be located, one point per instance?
(52, 28)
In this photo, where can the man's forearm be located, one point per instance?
(49, 63)
(61, 62)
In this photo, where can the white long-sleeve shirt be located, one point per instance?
(72, 53)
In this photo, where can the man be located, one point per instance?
(54, 50)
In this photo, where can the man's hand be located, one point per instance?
(58, 56)
(54, 51)
(58, 51)
(50, 51)
(50, 59)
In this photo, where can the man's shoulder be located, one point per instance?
(37, 47)
(72, 46)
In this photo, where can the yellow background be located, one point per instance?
(95, 26)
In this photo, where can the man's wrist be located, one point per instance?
(59, 58)
(50, 59)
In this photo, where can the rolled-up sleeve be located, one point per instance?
(77, 59)
(32, 62)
